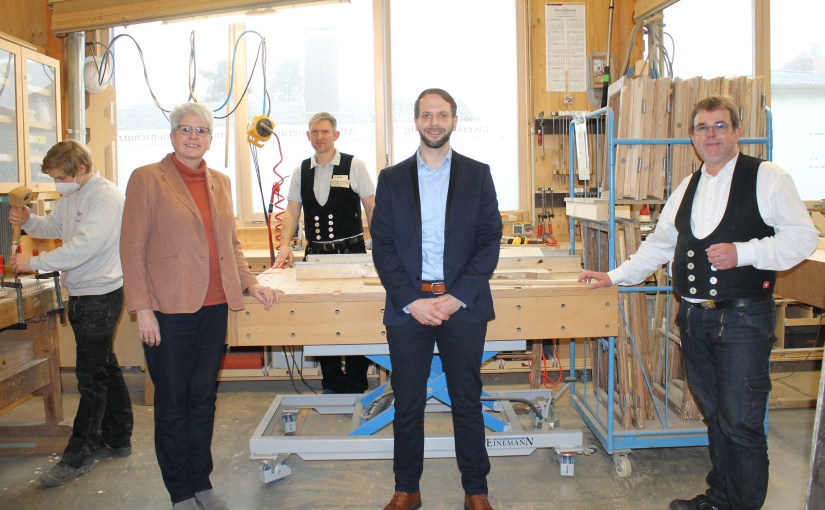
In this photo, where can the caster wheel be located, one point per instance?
(623, 466)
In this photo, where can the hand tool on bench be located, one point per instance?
(18, 197)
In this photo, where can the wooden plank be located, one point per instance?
(793, 355)
(621, 102)
(647, 129)
(23, 380)
(623, 364)
(81, 15)
(658, 153)
(35, 444)
(13, 354)
(312, 271)
(794, 390)
(805, 281)
(33, 429)
(16, 404)
(536, 347)
(634, 158)
(675, 398)
(659, 342)
(640, 357)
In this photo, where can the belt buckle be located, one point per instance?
(708, 305)
(436, 288)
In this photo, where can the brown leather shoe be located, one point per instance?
(405, 501)
(477, 502)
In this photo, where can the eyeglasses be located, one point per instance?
(188, 130)
(719, 128)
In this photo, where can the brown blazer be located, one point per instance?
(163, 245)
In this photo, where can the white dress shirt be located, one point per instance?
(779, 205)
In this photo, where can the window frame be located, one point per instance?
(246, 189)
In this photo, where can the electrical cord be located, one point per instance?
(102, 66)
(656, 43)
(546, 380)
(802, 362)
(275, 201)
(108, 56)
(292, 368)
(275, 198)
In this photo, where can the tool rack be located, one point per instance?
(597, 407)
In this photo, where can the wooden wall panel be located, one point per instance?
(27, 20)
(77, 15)
(545, 171)
(596, 12)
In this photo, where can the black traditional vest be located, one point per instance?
(693, 276)
(340, 217)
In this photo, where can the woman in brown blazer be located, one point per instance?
(183, 270)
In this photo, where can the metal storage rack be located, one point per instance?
(597, 409)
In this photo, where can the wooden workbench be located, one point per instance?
(535, 296)
(805, 282)
(345, 311)
(35, 370)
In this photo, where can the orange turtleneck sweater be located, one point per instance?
(195, 180)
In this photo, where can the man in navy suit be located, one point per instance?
(436, 232)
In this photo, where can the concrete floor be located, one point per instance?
(531, 482)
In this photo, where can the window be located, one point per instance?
(322, 58)
(143, 130)
(467, 47)
(798, 93)
(711, 37)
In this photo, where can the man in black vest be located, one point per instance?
(331, 187)
(728, 229)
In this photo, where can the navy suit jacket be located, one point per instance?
(472, 238)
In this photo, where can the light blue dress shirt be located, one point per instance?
(433, 184)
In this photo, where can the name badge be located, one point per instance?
(340, 181)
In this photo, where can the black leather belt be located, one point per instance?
(336, 245)
(725, 304)
(434, 287)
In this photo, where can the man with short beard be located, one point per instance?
(436, 232)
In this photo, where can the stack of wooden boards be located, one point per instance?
(647, 357)
(647, 108)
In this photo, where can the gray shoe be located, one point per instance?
(211, 501)
(107, 452)
(62, 473)
(187, 504)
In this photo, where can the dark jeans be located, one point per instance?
(336, 381)
(460, 346)
(184, 369)
(104, 415)
(356, 367)
(727, 360)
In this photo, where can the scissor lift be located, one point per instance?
(509, 432)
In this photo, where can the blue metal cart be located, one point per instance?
(597, 405)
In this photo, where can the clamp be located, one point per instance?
(61, 309)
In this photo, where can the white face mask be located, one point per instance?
(66, 188)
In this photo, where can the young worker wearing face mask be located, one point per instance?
(87, 219)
